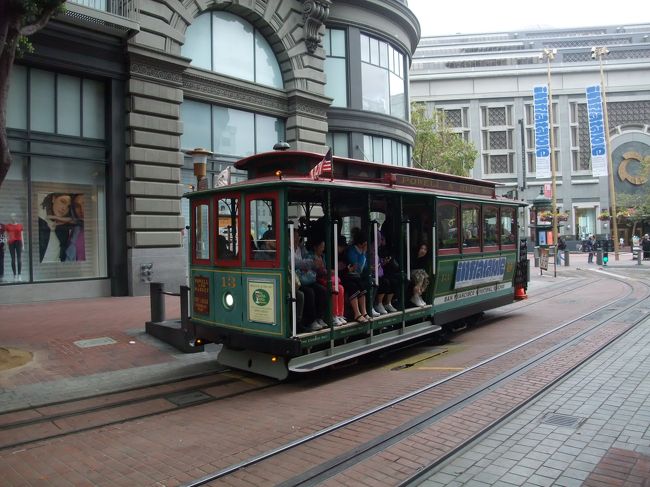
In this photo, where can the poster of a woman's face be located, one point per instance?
(61, 227)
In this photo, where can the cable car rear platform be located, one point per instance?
(330, 346)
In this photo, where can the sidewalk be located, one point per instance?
(593, 429)
(80, 347)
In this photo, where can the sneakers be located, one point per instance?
(375, 313)
(390, 308)
(339, 320)
(314, 326)
(418, 301)
(379, 308)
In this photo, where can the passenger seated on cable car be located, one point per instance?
(419, 275)
(314, 295)
(354, 259)
(266, 247)
(223, 252)
(323, 277)
(388, 272)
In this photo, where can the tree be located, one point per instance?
(18, 19)
(633, 208)
(437, 146)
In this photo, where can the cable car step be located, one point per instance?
(347, 351)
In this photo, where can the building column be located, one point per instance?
(154, 223)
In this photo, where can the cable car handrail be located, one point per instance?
(293, 279)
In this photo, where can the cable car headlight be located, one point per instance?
(229, 300)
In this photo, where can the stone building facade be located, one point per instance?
(102, 114)
(485, 82)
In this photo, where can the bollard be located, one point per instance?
(599, 257)
(639, 257)
(185, 304)
(536, 256)
(157, 300)
(566, 258)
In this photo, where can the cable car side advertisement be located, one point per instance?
(261, 301)
(201, 304)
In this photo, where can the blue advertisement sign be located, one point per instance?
(479, 271)
(542, 134)
(597, 131)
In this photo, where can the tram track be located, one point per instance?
(500, 378)
(21, 427)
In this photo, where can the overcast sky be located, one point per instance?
(440, 17)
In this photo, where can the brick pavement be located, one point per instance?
(593, 429)
(62, 370)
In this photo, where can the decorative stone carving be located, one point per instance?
(156, 72)
(314, 14)
(223, 92)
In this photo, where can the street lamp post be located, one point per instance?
(598, 53)
(548, 55)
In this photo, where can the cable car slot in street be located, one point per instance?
(429, 357)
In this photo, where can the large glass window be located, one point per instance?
(447, 226)
(14, 218)
(68, 219)
(201, 237)
(227, 228)
(383, 78)
(471, 226)
(388, 151)
(490, 226)
(336, 67)
(234, 48)
(339, 142)
(58, 103)
(263, 243)
(497, 140)
(508, 226)
(228, 131)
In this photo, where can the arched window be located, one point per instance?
(227, 44)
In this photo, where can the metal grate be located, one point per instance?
(94, 342)
(186, 398)
(563, 420)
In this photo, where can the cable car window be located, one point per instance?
(490, 226)
(447, 226)
(508, 226)
(263, 243)
(227, 236)
(471, 226)
(201, 238)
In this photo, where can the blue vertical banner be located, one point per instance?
(597, 130)
(542, 134)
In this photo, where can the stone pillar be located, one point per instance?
(154, 222)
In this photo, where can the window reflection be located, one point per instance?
(236, 49)
(382, 77)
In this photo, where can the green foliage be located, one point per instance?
(437, 146)
(637, 205)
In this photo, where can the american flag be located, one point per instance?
(325, 165)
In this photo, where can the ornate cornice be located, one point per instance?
(314, 14)
(220, 91)
(155, 72)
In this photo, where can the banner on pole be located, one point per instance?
(542, 135)
(597, 131)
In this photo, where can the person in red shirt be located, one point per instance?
(14, 233)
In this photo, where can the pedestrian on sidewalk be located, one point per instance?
(591, 248)
(561, 247)
(645, 246)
